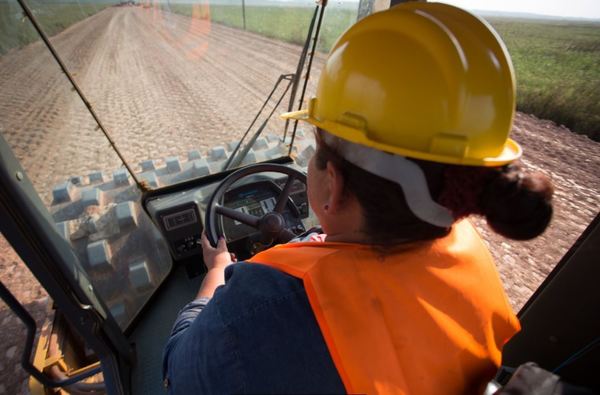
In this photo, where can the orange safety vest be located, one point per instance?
(426, 319)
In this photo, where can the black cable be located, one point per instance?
(578, 354)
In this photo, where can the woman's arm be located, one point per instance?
(216, 260)
(181, 349)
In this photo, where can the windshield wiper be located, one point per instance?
(322, 4)
(312, 37)
(236, 158)
(299, 68)
(143, 186)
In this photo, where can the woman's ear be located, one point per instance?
(335, 184)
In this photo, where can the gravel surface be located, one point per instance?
(164, 84)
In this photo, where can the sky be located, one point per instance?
(562, 8)
(559, 8)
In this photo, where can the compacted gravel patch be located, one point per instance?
(163, 85)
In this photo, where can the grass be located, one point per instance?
(284, 23)
(558, 70)
(16, 31)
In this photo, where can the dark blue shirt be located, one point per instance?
(258, 334)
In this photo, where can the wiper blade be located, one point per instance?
(235, 160)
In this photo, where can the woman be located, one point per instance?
(412, 116)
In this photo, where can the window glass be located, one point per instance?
(90, 195)
(557, 124)
(177, 84)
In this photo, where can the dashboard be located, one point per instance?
(260, 198)
(180, 215)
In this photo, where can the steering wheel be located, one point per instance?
(272, 225)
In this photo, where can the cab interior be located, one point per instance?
(119, 284)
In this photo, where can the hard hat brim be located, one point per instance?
(510, 152)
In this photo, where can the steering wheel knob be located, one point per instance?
(272, 223)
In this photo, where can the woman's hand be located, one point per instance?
(216, 260)
(216, 257)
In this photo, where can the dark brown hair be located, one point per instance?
(515, 205)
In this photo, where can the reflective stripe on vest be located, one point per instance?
(430, 318)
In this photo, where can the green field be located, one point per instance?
(558, 70)
(557, 63)
(16, 30)
(287, 23)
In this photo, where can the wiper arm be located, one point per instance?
(323, 4)
(300, 67)
(235, 160)
(143, 186)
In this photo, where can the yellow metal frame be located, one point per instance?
(43, 361)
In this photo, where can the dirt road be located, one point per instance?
(164, 84)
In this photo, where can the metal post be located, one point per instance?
(365, 7)
(244, 13)
(368, 7)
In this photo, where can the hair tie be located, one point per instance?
(462, 189)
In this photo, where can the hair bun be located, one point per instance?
(517, 205)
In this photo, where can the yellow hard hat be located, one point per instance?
(422, 80)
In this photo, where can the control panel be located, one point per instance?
(258, 199)
(180, 214)
(182, 228)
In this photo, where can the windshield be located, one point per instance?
(176, 85)
(166, 92)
